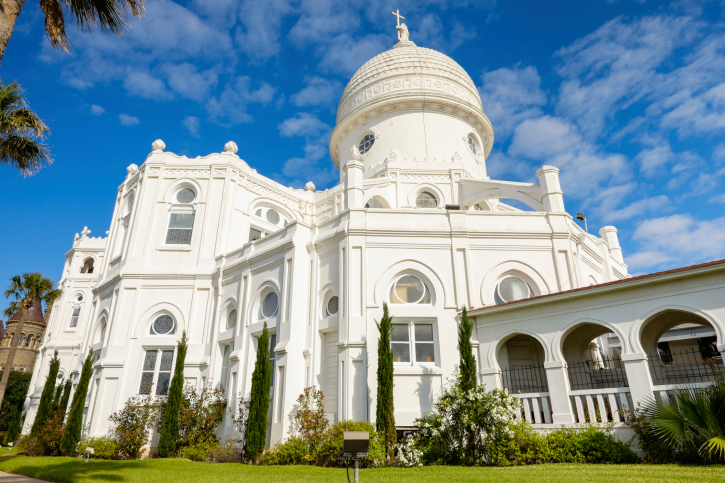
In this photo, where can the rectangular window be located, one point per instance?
(413, 343)
(226, 352)
(254, 234)
(180, 228)
(74, 316)
(157, 367)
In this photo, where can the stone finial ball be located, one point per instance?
(158, 145)
(310, 186)
(132, 168)
(231, 147)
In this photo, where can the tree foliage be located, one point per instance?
(15, 394)
(169, 438)
(131, 426)
(467, 369)
(66, 395)
(256, 434)
(45, 407)
(385, 412)
(74, 424)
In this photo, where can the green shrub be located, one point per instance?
(23, 443)
(200, 413)
(227, 452)
(132, 425)
(198, 452)
(15, 392)
(293, 451)
(524, 447)
(329, 453)
(103, 448)
(590, 444)
(46, 441)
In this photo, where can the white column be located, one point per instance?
(609, 235)
(559, 392)
(489, 377)
(551, 194)
(638, 376)
(354, 193)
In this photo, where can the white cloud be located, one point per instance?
(261, 22)
(191, 123)
(303, 124)
(298, 170)
(653, 160)
(187, 81)
(231, 104)
(318, 92)
(127, 120)
(97, 110)
(347, 54)
(678, 238)
(145, 85)
(510, 96)
(657, 203)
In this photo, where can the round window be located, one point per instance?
(232, 319)
(185, 195)
(366, 143)
(426, 200)
(79, 298)
(163, 325)
(332, 305)
(512, 288)
(472, 145)
(409, 289)
(272, 216)
(269, 305)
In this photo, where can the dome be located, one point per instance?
(407, 69)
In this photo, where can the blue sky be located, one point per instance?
(626, 97)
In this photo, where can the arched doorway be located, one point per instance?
(681, 348)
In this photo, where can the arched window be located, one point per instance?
(269, 305)
(101, 333)
(332, 306)
(409, 289)
(87, 266)
(22, 339)
(426, 199)
(266, 220)
(28, 340)
(75, 311)
(181, 217)
(232, 319)
(124, 223)
(510, 289)
(472, 144)
(163, 325)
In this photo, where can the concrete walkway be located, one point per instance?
(11, 478)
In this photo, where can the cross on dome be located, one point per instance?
(397, 14)
(402, 29)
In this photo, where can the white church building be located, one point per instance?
(208, 246)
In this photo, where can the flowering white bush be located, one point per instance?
(408, 454)
(464, 426)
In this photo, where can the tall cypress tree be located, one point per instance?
(259, 405)
(56, 398)
(170, 427)
(385, 413)
(467, 369)
(45, 407)
(74, 424)
(66, 395)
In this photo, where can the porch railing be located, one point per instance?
(600, 405)
(524, 379)
(535, 407)
(684, 367)
(607, 372)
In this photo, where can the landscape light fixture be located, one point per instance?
(89, 452)
(581, 217)
(355, 445)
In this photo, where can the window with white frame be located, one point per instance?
(156, 372)
(472, 144)
(123, 223)
(226, 352)
(332, 306)
(181, 218)
(163, 325)
(512, 288)
(75, 311)
(413, 343)
(409, 289)
(269, 305)
(266, 220)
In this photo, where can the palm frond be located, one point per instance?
(714, 447)
(11, 309)
(29, 287)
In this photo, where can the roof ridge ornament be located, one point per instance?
(403, 34)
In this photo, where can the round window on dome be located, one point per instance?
(426, 199)
(270, 304)
(273, 216)
(472, 144)
(185, 195)
(366, 143)
(332, 306)
(163, 325)
(511, 289)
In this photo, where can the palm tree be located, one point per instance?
(20, 132)
(692, 422)
(28, 290)
(108, 15)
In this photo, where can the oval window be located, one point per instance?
(163, 325)
(270, 305)
(366, 143)
(232, 319)
(409, 289)
(426, 200)
(185, 195)
(332, 306)
(511, 289)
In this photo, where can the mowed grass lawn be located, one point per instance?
(73, 470)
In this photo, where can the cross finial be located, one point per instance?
(85, 232)
(397, 14)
